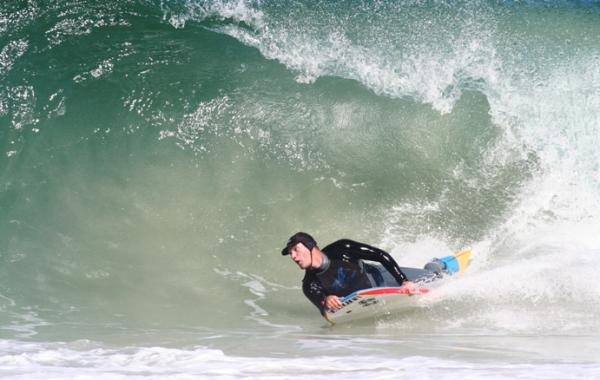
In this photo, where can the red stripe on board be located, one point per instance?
(402, 290)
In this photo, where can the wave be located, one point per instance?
(143, 139)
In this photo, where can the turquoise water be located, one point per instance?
(156, 155)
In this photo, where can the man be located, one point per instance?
(338, 269)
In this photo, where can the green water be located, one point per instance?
(155, 156)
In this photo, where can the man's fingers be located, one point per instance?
(333, 302)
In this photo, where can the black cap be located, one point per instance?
(299, 237)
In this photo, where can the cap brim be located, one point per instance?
(285, 251)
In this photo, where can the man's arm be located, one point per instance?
(313, 290)
(367, 252)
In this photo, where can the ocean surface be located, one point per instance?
(155, 156)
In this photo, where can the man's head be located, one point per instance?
(299, 246)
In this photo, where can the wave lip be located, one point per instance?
(406, 50)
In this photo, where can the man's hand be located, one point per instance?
(411, 287)
(333, 302)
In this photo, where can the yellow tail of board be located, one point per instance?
(462, 258)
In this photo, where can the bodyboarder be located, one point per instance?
(346, 266)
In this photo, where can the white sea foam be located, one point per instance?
(83, 24)
(10, 54)
(237, 10)
(84, 359)
(542, 259)
(19, 103)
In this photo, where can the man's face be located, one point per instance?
(301, 256)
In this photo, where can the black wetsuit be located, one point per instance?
(344, 272)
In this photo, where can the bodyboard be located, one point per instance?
(381, 301)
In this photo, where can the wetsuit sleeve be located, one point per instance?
(314, 291)
(366, 252)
